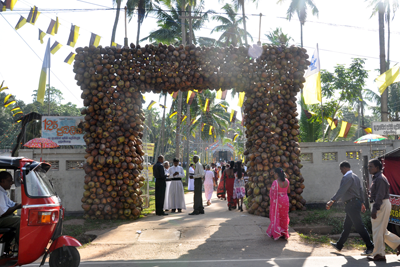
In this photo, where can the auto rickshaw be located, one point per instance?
(42, 217)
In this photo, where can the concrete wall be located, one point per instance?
(66, 174)
(322, 175)
(321, 171)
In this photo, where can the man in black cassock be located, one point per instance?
(159, 174)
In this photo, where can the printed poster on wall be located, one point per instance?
(64, 131)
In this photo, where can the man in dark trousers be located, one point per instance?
(351, 193)
(198, 184)
(159, 174)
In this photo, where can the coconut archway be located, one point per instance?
(113, 80)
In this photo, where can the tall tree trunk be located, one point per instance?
(116, 21)
(382, 61)
(388, 44)
(301, 33)
(138, 31)
(244, 23)
(163, 126)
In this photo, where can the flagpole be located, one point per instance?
(48, 93)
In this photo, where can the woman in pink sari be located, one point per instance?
(279, 209)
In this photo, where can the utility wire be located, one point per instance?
(39, 57)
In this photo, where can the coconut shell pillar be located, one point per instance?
(113, 131)
(272, 128)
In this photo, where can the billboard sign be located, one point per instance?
(386, 128)
(63, 130)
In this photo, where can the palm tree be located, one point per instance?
(300, 7)
(143, 7)
(278, 38)
(231, 32)
(240, 4)
(169, 25)
(118, 2)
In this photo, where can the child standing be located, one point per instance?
(239, 190)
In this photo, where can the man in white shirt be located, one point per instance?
(7, 208)
(167, 184)
(175, 198)
(198, 184)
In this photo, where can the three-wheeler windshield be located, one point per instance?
(38, 184)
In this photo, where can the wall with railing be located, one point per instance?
(321, 165)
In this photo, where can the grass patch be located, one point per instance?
(313, 238)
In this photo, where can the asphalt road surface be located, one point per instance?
(334, 261)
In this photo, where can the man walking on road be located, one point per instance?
(198, 194)
(379, 195)
(160, 176)
(351, 193)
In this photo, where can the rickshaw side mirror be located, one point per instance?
(17, 178)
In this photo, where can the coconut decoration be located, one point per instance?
(113, 80)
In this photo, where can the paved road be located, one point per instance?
(334, 261)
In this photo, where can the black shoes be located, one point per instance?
(179, 210)
(194, 213)
(335, 246)
(201, 212)
(173, 210)
(162, 214)
(241, 208)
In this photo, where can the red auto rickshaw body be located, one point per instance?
(41, 213)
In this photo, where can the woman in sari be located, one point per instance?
(221, 190)
(279, 209)
(229, 177)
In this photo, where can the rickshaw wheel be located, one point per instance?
(65, 257)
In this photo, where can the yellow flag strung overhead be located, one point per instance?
(70, 58)
(3, 88)
(33, 15)
(234, 137)
(10, 103)
(55, 47)
(206, 106)
(210, 133)
(94, 40)
(19, 112)
(188, 96)
(193, 121)
(219, 94)
(53, 27)
(144, 98)
(7, 97)
(233, 115)
(344, 129)
(152, 103)
(21, 22)
(241, 98)
(184, 118)
(387, 78)
(173, 114)
(9, 4)
(16, 108)
(41, 36)
(331, 123)
(73, 36)
(163, 106)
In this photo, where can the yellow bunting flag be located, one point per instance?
(43, 74)
(3, 88)
(94, 40)
(234, 137)
(15, 109)
(73, 36)
(10, 4)
(70, 58)
(53, 27)
(219, 94)
(193, 121)
(163, 106)
(224, 94)
(152, 103)
(189, 94)
(41, 36)
(332, 123)
(344, 129)
(2, 7)
(7, 97)
(241, 98)
(210, 132)
(21, 22)
(19, 112)
(173, 114)
(312, 86)
(116, 45)
(174, 95)
(387, 78)
(144, 98)
(184, 118)
(225, 107)
(206, 106)
(33, 15)
(367, 130)
(233, 115)
(10, 103)
(55, 47)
